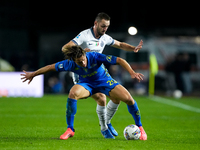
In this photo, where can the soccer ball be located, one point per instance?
(177, 94)
(132, 132)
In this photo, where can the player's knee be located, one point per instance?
(101, 100)
(74, 94)
(129, 100)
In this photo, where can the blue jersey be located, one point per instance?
(94, 74)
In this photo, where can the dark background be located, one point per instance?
(22, 22)
(78, 15)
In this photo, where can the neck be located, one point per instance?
(95, 33)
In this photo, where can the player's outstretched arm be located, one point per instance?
(128, 47)
(127, 67)
(64, 48)
(30, 75)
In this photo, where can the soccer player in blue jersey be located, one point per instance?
(95, 39)
(93, 78)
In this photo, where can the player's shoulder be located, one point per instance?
(92, 54)
(108, 39)
(67, 62)
(85, 32)
(107, 36)
(81, 37)
(65, 65)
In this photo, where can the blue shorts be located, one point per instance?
(105, 86)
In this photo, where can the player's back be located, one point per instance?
(93, 72)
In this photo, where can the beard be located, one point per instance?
(100, 33)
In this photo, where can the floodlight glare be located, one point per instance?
(132, 30)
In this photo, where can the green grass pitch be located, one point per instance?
(37, 123)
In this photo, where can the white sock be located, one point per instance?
(111, 110)
(101, 112)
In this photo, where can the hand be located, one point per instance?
(27, 76)
(138, 76)
(137, 48)
(87, 50)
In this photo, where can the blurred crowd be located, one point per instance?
(177, 68)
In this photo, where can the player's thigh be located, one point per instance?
(120, 93)
(100, 98)
(78, 92)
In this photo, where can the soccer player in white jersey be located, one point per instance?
(95, 39)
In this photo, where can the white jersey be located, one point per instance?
(86, 39)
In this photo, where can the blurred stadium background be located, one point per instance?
(32, 34)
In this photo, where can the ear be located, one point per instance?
(95, 23)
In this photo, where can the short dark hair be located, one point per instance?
(74, 52)
(101, 16)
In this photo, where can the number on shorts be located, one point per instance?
(111, 82)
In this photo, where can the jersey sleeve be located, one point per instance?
(109, 40)
(106, 59)
(65, 65)
(79, 39)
